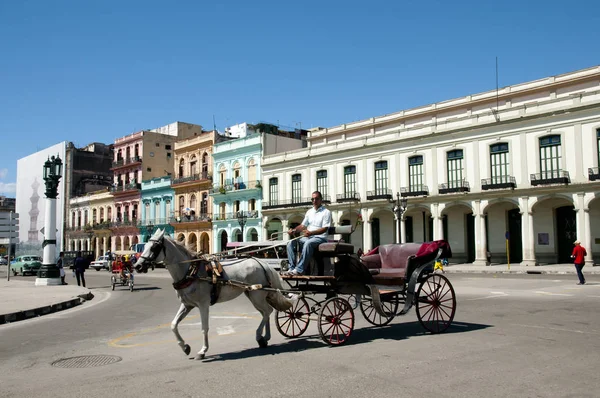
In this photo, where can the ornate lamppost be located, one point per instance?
(400, 205)
(49, 274)
(242, 217)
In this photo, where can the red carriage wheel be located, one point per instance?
(436, 303)
(336, 321)
(389, 304)
(293, 322)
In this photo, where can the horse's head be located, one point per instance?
(154, 252)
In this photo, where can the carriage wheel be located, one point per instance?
(336, 321)
(389, 304)
(436, 303)
(113, 281)
(293, 322)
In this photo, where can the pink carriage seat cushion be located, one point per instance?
(372, 261)
(332, 249)
(394, 259)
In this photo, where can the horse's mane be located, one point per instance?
(182, 246)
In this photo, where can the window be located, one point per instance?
(181, 205)
(273, 191)
(236, 206)
(205, 163)
(193, 202)
(157, 144)
(455, 168)
(204, 204)
(349, 181)
(148, 169)
(381, 177)
(296, 188)
(222, 210)
(181, 168)
(151, 154)
(598, 144)
(499, 163)
(168, 155)
(252, 205)
(550, 157)
(167, 147)
(193, 163)
(322, 182)
(415, 174)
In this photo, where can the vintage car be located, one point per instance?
(26, 264)
(102, 262)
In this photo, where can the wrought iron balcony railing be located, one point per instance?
(348, 197)
(382, 193)
(193, 177)
(133, 186)
(499, 182)
(454, 187)
(300, 202)
(550, 177)
(415, 190)
(191, 218)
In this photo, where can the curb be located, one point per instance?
(530, 272)
(45, 310)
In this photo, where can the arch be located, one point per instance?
(193, 202)
(495, 201)
(180, 238)
(126, 243)
(192, 242)
(193, 165)
(205, 243)
(456, 203)
(251, 234)
(205, 162)
(180, 173)
(544, 198)
(223, 237)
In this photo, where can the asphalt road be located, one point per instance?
(521, 335)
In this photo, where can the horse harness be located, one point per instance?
(214, 271)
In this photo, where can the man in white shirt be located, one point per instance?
(314, 229)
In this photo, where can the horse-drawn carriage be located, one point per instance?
(384, 285)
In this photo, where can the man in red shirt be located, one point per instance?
(578, 257)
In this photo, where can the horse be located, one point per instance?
(247, 276)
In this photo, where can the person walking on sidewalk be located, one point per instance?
(79, 266)
(578, 257)
(60, 266)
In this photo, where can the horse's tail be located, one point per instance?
(276, 299)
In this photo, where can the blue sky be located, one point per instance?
(86, 71)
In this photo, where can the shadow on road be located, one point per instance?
(400, 331)
(136, 287)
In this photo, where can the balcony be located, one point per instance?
(416, 190)
(594, 173)
(550, 177)
(382, 193)
(125, 223)
(192, 178)
(300, 202)
(126, 162)
(187, 218)
(251, 214)
(348, 197)
(500, 182)
(133, 186)
(230, 185)
(454, 187)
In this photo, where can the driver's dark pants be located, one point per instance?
(80, 277)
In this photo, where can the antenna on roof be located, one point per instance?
(214, 123)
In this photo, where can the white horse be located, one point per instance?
(193, 292)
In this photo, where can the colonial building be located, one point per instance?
(157, 206)
(193, 180)
(237, 189)
(138, 157)
(519, 164)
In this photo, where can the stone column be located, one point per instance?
(589, 260)
(402, 230)
(528, 243)
(367, 235)
(480, 249)
(284, 227)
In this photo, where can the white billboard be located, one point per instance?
(31, 199)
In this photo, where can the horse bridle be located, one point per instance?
(158, 245)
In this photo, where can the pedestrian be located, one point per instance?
(313, 229)
(578, 257)
(60, 266)
(79, 266)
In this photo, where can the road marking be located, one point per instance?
(594, 296)
(558, 329)
(553, 294)
(494, 295)
(221, 331)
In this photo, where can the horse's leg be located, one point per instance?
(204, 309)
(182, 313)
(259, 300)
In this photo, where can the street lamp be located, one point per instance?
(49, 274)
(400, 205)
(241, 216)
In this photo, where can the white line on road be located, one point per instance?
(225, 330)
(553, 294)
(557, 329)
(494, 295)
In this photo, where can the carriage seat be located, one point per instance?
(395, 259)
(334, 248)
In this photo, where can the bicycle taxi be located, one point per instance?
(122, 269)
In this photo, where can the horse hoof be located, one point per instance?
(262, 343)
(200, 356)
(186, 349)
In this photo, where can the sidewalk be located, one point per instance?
(520, 269)
(21, 300)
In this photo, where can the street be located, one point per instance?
(513, 335)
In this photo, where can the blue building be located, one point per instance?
(237, 192)
(157, 206)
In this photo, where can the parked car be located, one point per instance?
(102, 262)
(3, 261)
(26, 264)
